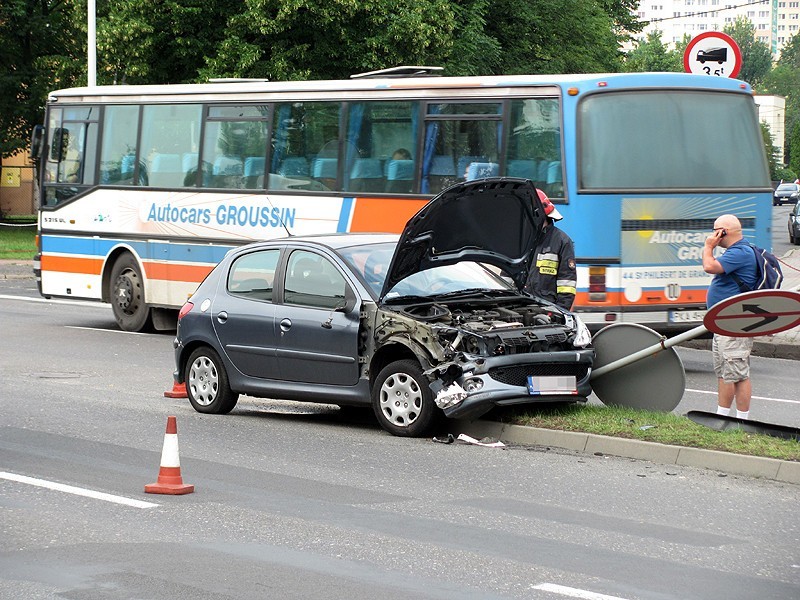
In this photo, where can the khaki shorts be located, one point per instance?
(731, 357)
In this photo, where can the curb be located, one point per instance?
(734, 464)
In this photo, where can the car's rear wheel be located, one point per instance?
(207, 383)
(403, 400)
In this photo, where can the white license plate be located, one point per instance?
(538, 386)
(686, 316)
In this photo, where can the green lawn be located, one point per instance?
(17, 238)
(664, 428)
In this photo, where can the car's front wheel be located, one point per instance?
(207, 383)
(403, 400)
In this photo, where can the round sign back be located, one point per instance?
(653, 383)
(713, 53)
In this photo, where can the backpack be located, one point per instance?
(768, 271)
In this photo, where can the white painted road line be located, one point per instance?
(573, 592)
(97, 304)
(753, 397)
(60, 487)
(104, 330)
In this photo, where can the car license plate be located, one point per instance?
(686, 316)
(538, 386)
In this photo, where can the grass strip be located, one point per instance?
(17, 238)
(651, 426)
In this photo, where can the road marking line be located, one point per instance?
(573, 592)
(97, 304)
(60, 487)
(104, 330)
(753, 397)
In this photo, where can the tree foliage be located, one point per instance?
(756, 56)
(651, 54)
(179, 41)
(39, 54)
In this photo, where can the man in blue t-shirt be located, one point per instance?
(731, 355)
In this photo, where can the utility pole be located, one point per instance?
(92, 45)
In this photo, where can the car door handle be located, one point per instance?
(222, 316)
(286, 324)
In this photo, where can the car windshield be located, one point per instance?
(788, 187)
(372, 262)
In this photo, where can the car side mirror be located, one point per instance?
(349, 300)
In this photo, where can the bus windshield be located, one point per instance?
(669, 139)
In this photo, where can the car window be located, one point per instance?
(313, 280)
(252, 275)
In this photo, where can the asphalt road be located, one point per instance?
(304, 501)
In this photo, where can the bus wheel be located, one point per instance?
(127, 295)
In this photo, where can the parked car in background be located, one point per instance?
(416, 325)
(794, 225)
(786, 192)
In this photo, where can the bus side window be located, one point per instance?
(381, 140)
(533, 150)
(169, 131)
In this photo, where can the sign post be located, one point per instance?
(713, 53)
(617, 380)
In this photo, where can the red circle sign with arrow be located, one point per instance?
(760, 312)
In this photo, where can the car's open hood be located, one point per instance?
(497, 221)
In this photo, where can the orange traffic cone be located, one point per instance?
(169, 476)
(178, 391)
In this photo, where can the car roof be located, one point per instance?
(334, 241)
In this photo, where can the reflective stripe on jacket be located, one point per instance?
(554, 276)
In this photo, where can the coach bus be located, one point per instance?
(144, 188)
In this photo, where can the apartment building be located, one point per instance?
(775, 21)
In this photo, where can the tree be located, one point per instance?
(550, 36)
(651, 54)
(39, 54)
(756, 57)
(771, 151)
(794, 144)
(141, 41)
(314, 39)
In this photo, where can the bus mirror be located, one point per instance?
(37, 141)
(60, 143)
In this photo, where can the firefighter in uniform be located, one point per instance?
(554, 276)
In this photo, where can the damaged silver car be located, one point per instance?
(426, 324)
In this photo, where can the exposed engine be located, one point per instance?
(518, 326)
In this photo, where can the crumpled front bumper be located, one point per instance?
(504, 381)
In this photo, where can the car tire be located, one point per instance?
(403, 401)
(207, 383)
(126, 293)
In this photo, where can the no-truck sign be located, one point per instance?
(713, 53)
(760, 312)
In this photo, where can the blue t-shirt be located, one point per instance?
(739, 259)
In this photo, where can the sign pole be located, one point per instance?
(649, 351)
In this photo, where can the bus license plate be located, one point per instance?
(538, 386)
(686, 316)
